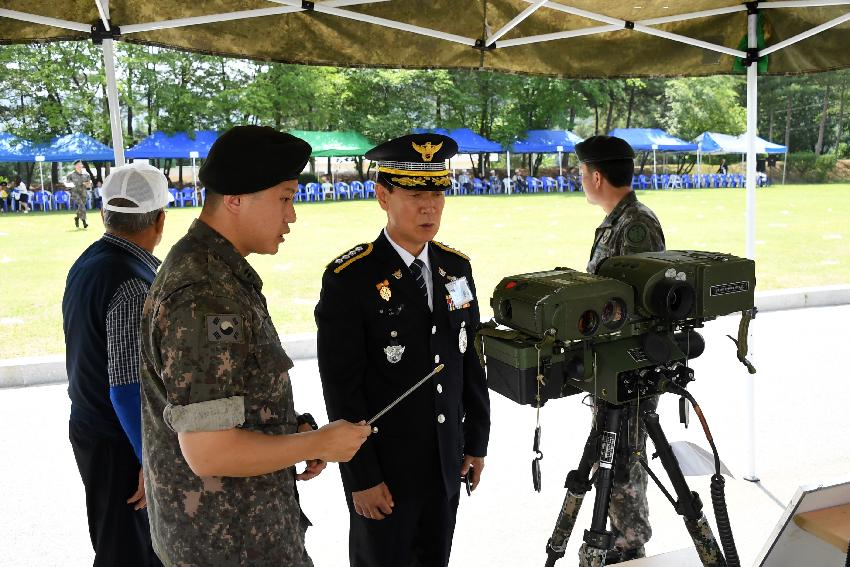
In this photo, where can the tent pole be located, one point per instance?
(654, 170)
(508, 170)
(752, 124)
(112, 95)
(784, 166)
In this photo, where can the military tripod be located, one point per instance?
(608, 445)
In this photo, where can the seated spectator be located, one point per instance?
(97, 199)
(518, 179)
(5, 197)
(464, 181)
(495, 182)
(22, 196)
(328, 187)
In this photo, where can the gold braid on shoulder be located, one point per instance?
(450, 249)
(359, 251)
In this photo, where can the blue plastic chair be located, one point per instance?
(549, 184)
(62, 198)
(533, 185)
(687, 182)
(357, 189)
(478, 186)
(176, 195)
(42, 199)
(664, 181)
(370, 188)
(342, 189)
(645, 183)
(301, 194)
(187, 194)
(314, 192)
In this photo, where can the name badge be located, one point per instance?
(459, 292)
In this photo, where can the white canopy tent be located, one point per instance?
(492, 48)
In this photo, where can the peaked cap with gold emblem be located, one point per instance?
(415, 161)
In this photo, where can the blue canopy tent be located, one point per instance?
(715, 143)
(468, 142)
(654, 140)
(546, 142)
(72, 147)
(160, 145)
(13, 148)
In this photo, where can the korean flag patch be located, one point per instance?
(226, 328)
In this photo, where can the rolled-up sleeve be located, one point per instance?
(205, 345)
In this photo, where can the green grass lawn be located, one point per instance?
(802, 240)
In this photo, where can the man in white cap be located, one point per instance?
(104, 295)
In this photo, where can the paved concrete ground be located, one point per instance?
(802, 418)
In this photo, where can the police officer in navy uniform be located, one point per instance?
(390, 312)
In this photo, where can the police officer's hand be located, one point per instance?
(138, 498)
(473, 467)
(375, 503)
(314, 466)
(341, 439)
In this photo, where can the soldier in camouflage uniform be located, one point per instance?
(607, 166)
(220, 432)
(81, 181)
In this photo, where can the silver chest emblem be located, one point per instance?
(461, 338)
(394, 353)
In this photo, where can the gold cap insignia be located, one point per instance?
(427, 150)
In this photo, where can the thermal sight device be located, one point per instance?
(600, 333)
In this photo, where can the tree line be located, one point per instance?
(53, 89)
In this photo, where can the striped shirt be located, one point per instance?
(123, 316)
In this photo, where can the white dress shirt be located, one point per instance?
(408, 259)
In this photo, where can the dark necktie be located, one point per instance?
(416, 268)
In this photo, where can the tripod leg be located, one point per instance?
(598, 540)
(688, 504)
(577, 485)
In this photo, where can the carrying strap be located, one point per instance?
(741, 341)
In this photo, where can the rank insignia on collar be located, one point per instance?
(384, 290)
(397, 274)
(442, 272)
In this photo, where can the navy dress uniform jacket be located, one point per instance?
(423, 439)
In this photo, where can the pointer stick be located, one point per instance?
(404, 395)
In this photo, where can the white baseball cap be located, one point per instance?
(139, 183)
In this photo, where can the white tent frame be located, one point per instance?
(610, 24)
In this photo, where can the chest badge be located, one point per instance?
(397, 274)
(442, 272)
(461, 338)
(384, 290)
(394, 353)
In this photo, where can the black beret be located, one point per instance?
(247, 159)
(604, 148)
(415, 161)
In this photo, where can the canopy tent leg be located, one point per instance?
(784, 166)
(508, 170)
(112, 89)
(654, 170)
(752, 124)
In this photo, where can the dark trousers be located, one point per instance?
(417, 534)
(110, 473)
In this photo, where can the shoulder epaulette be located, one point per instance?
(342, 262)
(450, 249)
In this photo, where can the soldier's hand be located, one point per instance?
(314, 466)
(375, 503)
(138, 498)
(340, 440)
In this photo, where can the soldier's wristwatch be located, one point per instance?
(308, 419)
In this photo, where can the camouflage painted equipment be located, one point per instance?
(607, 334)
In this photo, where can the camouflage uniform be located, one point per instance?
(79, 192)
(630, 228)
(212, 360)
